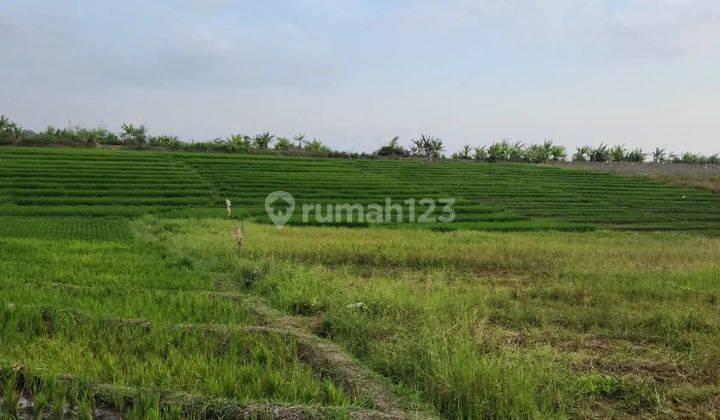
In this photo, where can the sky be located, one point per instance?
(644, 73)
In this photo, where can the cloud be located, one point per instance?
(635, 28)
(118, 48)
(665, 28)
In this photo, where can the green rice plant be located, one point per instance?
(463, 317)
(10, 395)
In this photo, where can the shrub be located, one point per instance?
(283, 144)
(616, 154)
(134, 135)
(315, 146)
(164, 141)
(635, 155)
(262, 141)
(582, 154)
(427, 146)
(462, 154)
(10, 132)
(600, 153)
(392, 149)
(499, 151)
(480, 153)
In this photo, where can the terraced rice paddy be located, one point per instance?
(488, 196)
(556, 293)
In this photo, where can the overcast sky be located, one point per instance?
(356, 73)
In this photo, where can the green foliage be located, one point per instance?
(392, 149)
(131, 135)
(659, 155)
(636, 156)
(71, 182)
(283, 144)
(164, 141)
(480, 153)
(504, 151)
(10, 132)
(427, 146)
(300, 140)
(262, 141)
(582, 154)
(603, 329)
(316, 146)
(463, 154)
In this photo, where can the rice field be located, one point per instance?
(503, 197)
(124, 320)
(555, 293)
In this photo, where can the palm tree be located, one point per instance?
(300, 139)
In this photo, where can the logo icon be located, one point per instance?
(279, 206)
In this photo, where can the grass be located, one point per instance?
(491, 197)
(700, 176)
(575, 324)
(89, 301)
(555, 293)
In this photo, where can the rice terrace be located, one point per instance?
(556, 291)
(359, 209)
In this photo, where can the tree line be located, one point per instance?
(425, 146)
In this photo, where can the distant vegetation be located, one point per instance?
(423, 147)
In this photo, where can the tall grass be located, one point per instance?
(496, 325)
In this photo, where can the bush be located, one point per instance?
(10, 132)
(426, 146)
(283, 144)
(164, 141)
(132, 135)
(392, 149)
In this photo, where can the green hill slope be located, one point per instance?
(68, 182)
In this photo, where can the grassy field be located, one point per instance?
(504, 197)
(557, 293)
